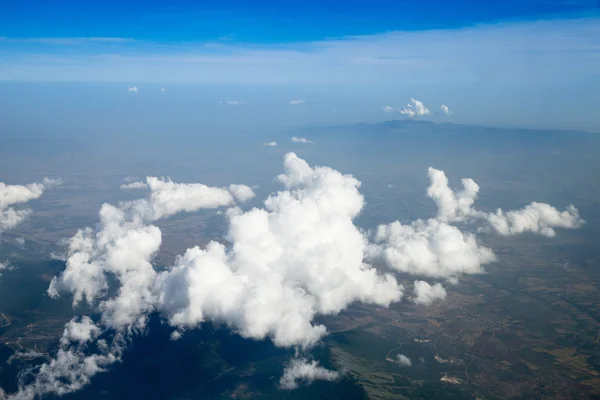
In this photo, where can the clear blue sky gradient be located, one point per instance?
(263, 21)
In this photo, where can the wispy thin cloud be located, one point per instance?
(301, 140)
(505, 52)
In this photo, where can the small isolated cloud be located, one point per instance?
(303, 371)
(271, 144)
(163, 90)
(445, 110)
(18, 194)
(133, 89)
(234, 102)
(301, 140)
(414, 109)
(297, 102)
(135, 185)
(388, 109)
(6, 266)
(426, 294)
(403, 361)
(20, 241)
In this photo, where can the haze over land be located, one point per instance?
(199, 201)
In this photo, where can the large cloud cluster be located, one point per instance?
(297, 257)
(19, 194)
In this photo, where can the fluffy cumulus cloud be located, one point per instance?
(303, 371)
(135, 185)
(297, 102)
(403, 361)
(296, 257)
(388, 109)
(18, 194)
(133, 89)
(536, 217)
(241, 192)
(414, 108)
(271, 144)
(121, 246)
(427, 294)
(429, 248)
(445, 110)
(435, 248)
(301, 140)
(299, 256)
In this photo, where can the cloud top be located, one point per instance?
(414, 108)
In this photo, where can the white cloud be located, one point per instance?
(122, 246)
(388, 109)
(134, 185)
(133, 89)
(426, 294)
(271, 144)
(301, 140)
(306, 372)
(20, 241)
(429, 248)
(403, 361)
(536, 217)
(297, 102)
(242, 193)
(298, 257)
(4, 266)
(436, 249)
(234, 102)
(18, 194)
(414, 108)
(81, 332)
(445, 110)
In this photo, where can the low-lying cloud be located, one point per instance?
(11, 195)
(300, 370)
(297, 257)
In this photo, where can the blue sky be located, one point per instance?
(261, 21)
(525, 62)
